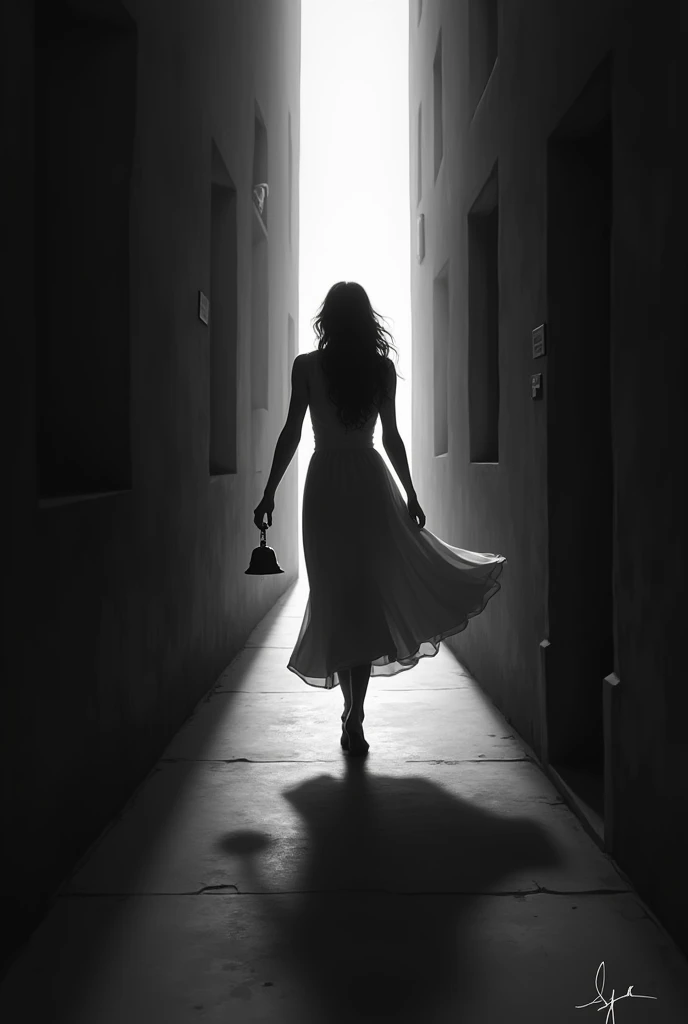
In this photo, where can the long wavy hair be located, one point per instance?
(354, 345)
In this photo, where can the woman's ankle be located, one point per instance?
(354, 720)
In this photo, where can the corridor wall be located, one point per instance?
(128, 440)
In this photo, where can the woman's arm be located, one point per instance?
(288, 441)
(396, 449)
(391, 438)
(285, 449)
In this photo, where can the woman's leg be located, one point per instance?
(345, 683)
(360, 676)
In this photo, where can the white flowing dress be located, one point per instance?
(382, 591)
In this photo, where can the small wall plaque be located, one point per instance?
(538, 336)
(203, 307)
(536, 385)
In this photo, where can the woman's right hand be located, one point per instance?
(416, 512)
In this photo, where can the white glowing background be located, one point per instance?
(354, 177)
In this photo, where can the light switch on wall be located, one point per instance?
(538, 336)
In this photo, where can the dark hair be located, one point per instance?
(354, 351)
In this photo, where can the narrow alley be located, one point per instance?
(259, 875)
(410, 276)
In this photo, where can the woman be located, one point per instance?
(384, 591)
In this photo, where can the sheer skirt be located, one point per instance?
(382, 591)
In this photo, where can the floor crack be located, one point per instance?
(229, 889)
(335, 760)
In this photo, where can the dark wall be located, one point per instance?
(124, 584)
(649, 317)
(608, 391)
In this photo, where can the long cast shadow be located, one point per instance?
(399, 946)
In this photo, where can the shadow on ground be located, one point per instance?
(404, 849)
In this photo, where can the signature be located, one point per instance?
(608, 1004)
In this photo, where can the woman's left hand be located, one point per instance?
(263, 509)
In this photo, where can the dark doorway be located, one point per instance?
(580, 465)
(85, 92)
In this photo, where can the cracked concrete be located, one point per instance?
(441, 880)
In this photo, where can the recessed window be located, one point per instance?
(260, 165)
(437, 103)
(291, 354)
(260, 291)
(419, 153)
(483, 324)
(440, 333)
(290, 177)
(85, 102)
(223, 319)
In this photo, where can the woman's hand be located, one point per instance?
(264, 508)
(416, 512)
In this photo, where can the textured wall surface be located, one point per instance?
(547, 54)
(121, 610)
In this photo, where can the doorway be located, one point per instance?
(579, 461)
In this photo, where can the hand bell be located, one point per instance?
(263, 560)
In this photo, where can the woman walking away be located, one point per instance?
(384, 591)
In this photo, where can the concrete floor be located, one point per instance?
(260, 875)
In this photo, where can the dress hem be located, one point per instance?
(331, 680)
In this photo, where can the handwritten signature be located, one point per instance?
(608, 1004)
